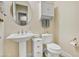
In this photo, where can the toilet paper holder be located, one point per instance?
(74, 42)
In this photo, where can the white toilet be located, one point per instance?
(52, 50)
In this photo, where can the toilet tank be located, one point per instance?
(47, 38)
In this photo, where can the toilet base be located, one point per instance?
(51, 55)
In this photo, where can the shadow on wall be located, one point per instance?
(56, 26)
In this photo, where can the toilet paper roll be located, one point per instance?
(23, 18)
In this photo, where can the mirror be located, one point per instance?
(21, 12)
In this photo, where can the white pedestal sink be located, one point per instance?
(22, 39)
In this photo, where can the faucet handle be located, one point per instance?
(22, 31)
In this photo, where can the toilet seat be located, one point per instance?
(53, 47)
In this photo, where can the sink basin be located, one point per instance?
(20, 37)
(46, 34)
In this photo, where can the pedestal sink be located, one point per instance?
(22, 39)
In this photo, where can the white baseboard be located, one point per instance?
(63, 54)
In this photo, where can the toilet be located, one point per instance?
(51, 49)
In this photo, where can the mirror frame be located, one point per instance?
(13, 11)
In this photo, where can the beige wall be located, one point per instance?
(11, 47)
(67, 25)
(1, 36)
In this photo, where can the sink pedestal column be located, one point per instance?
(22, 48)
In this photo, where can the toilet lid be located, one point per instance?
(53, 46)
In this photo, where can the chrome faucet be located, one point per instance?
(21, 32)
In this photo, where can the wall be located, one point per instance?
(11, 47)
(67, 25)
(1, 33)
(1, 36)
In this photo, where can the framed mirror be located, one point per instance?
(21, 12)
